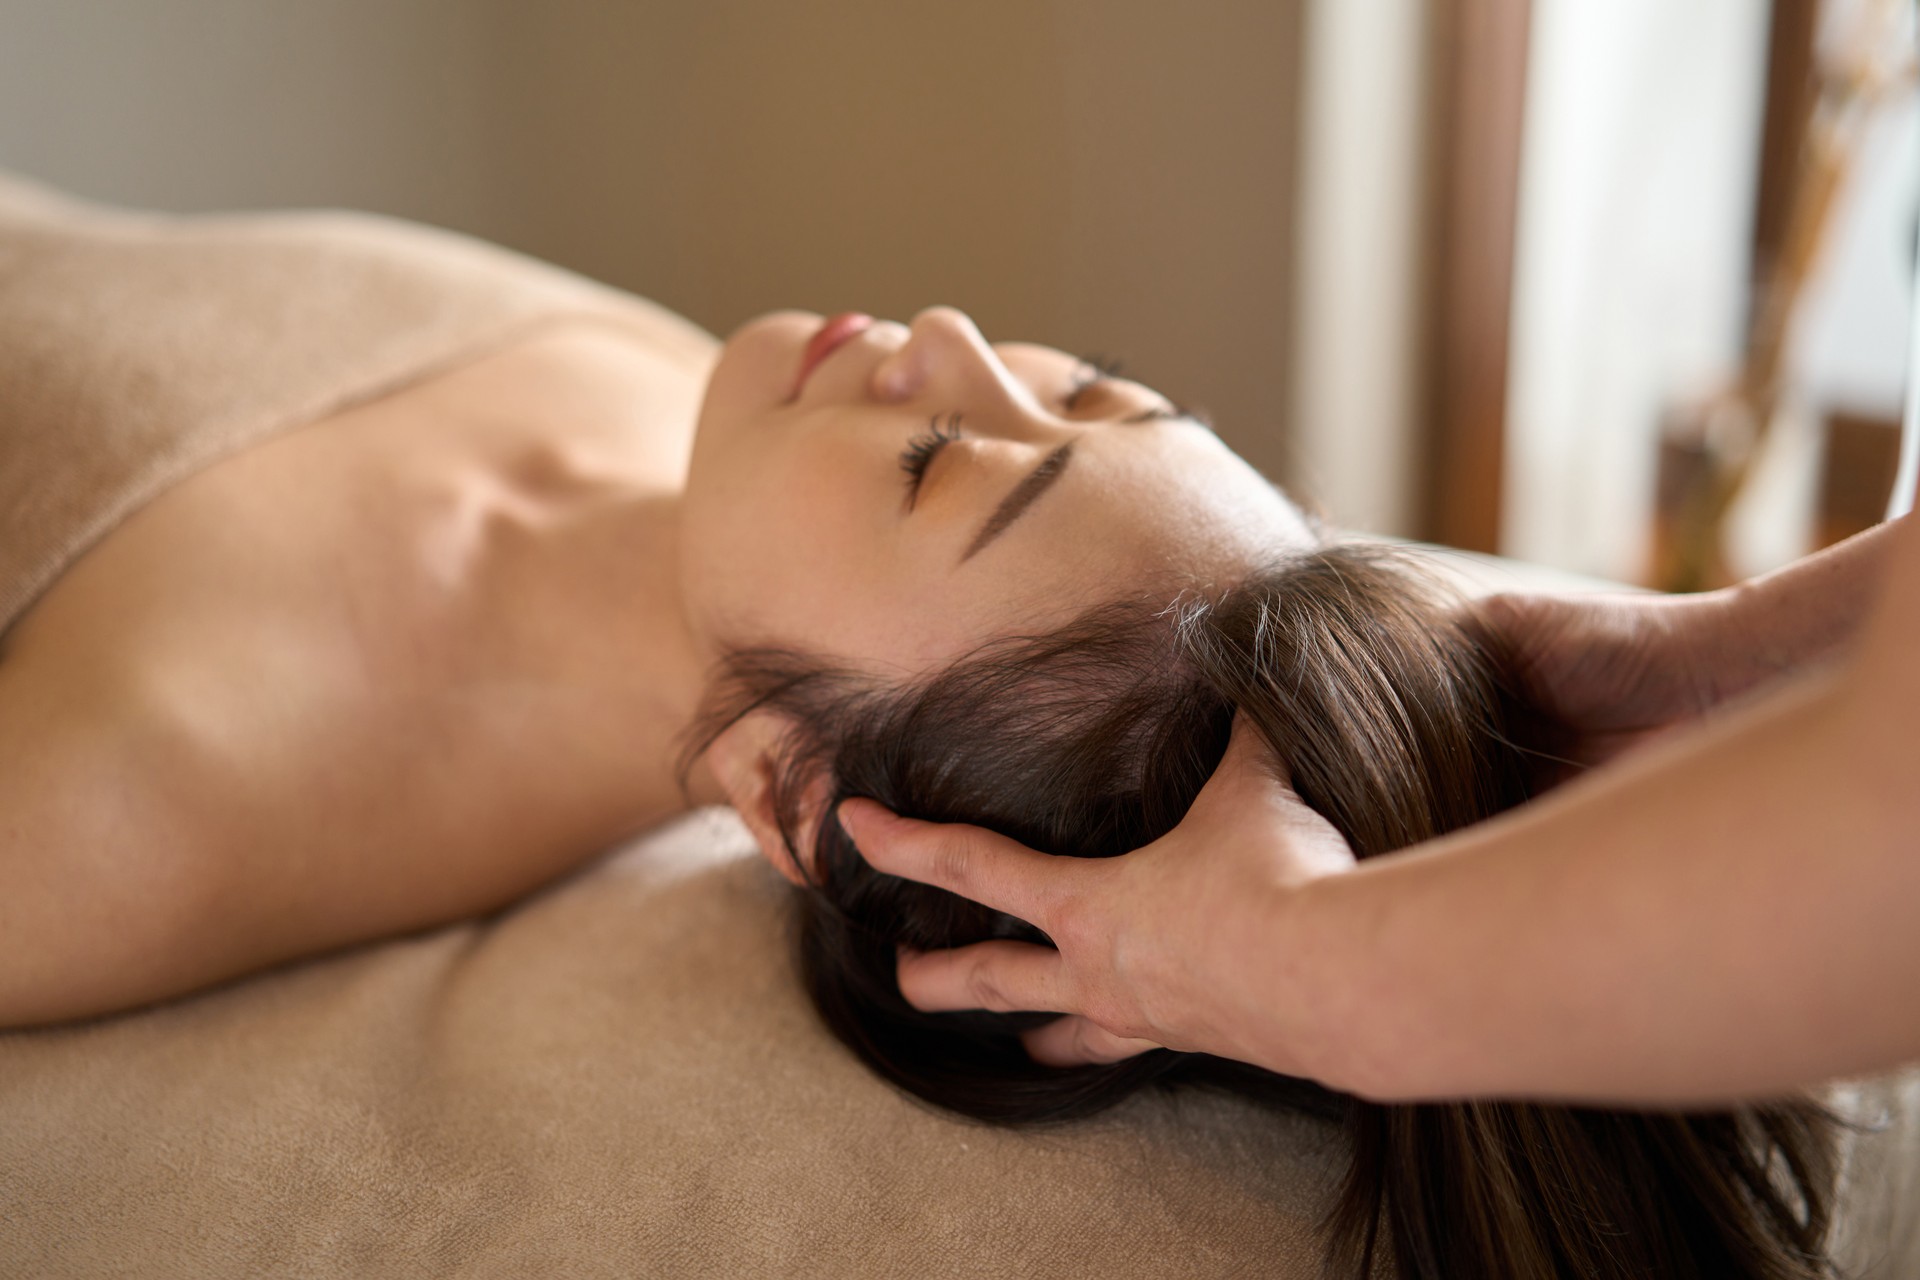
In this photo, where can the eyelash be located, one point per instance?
(1091, 372)
(923, 448)
(1088, 374)
(1094, 370)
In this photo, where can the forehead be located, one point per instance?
(1173, 511)
(1154, 498)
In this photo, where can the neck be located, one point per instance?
(634, 663)
(677, 665)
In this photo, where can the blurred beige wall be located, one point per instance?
(1109, 177)
(210, 104)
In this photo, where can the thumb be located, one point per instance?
(1252, 790)
(1249, 773)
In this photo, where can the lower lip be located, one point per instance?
(831, 335)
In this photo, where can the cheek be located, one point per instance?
(777, 552)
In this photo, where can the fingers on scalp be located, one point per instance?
(864, 821)
(992, 870)
(1076, 1041)
(1249, 759)
(908, 847)
(1001, 977)
(965, 860)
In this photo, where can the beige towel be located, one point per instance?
(136, 349)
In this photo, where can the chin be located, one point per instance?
(777, 330)
(758, 360)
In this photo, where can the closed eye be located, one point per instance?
(1088, 374)
(1096, 370)
(1171, 412)
(922, 449)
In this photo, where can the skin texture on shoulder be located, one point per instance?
(373, 673)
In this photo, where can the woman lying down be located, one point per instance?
(323, 631)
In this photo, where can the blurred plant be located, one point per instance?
(1708, 447)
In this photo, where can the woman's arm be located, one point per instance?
(1615, 669)
(102, 904)
(1804, 612)
(1728, 914)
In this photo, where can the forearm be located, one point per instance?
(1727, 915)
(1808, 610)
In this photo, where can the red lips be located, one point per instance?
(837, 330)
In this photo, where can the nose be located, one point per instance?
(945, 359)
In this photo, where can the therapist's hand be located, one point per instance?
(1610, 671)
(1184, 944)
(1613, 670)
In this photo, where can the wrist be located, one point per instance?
(1306, 1014)
(1372, 1002)
(1811, 609)
(1716, 640)
(1767, 631)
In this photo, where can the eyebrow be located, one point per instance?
(1020, 498)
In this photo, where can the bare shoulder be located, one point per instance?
(103, 883)
(295, 701)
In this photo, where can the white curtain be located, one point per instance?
(1637, 174)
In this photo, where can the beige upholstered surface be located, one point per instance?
(617, 1077)
(620, 1076)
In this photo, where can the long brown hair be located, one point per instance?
(1397, 724)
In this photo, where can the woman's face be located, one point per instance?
(919, 491)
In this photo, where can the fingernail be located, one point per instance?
(846, 813)
(862, 810)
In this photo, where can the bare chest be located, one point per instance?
(384, 614)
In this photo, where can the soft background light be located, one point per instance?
(1108, 176)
